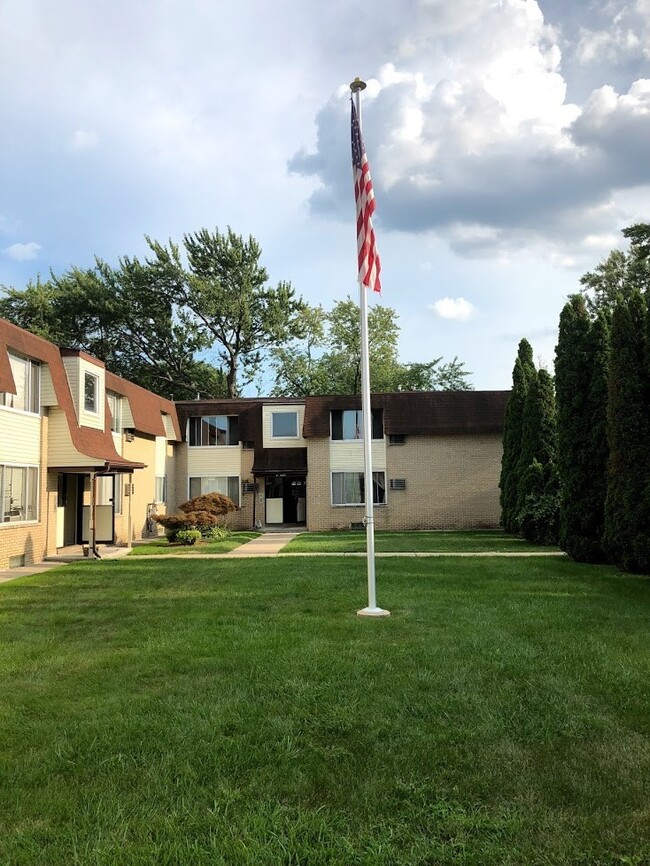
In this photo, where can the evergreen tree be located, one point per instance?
(627, 522)
(537, 513)
(522, 375)
(580, 381)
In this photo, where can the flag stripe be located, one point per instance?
(364, 196)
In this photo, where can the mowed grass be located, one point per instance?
(457, 541)
(222, 545)
(236, 712)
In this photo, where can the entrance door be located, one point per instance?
(286, 499)
(66, 509)
(104, 516)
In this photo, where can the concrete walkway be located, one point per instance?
(268, 544)
(57, 561)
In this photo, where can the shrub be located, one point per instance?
(216, 533)
(188, 536)
(201, 513)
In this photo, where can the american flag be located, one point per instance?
(369, 265)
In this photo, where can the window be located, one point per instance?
(227, 485)
(91, 387)
(214, 430)
(284, 425)
(115, 405)
(19, 493)
(348, 424)
(27, 378)
(161, 488)
(348, 488)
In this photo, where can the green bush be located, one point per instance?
(216, 533)
(202, 513)
(188, 536)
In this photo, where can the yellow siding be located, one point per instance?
(217, 460)
(170, 433)
(348, 456)
(20, 437)
(61, 451)
(268, 440)
(48, 396)
(127, 416)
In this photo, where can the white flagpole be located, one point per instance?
(369, 520)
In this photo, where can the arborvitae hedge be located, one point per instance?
(522, 375)
(627, 522)
(537, 481)
(581, 391)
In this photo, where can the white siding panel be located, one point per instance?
(160, 455)
(348, 456)
(117, 442)
(268, 440)
(20, 437)
(217, 460)
(96, 420)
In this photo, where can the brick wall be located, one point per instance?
(451, 483)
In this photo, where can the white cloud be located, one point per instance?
(457, 309)
(23, 252)
(83, 140)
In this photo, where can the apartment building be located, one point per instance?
(85, 457)
(88, 458)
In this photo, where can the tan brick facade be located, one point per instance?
(451, 483)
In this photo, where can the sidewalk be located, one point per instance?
(57, 561)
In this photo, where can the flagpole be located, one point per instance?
(371, 610)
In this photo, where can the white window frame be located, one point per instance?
(362, 503)
(88, 375)
(35, 506)
(216, 444)
(162, 501)
(227, 478)
(358, 438)
(33, 400)
(296, 415)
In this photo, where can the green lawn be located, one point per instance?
(223, 545)
(412, 542)
(239, 712)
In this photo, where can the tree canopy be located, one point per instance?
(200, 318)
(327, 357)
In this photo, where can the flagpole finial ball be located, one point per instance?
(357, 84)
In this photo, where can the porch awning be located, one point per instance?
(280, 461)
(107, 466)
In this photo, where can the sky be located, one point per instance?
(507, 140)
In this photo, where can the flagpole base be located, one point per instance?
(373, 611)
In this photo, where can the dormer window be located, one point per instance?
(91, 390)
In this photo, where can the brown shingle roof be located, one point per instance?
(417, 412)
(146, 407)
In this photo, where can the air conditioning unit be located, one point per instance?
(397, 484)
(129, 435)
(396, 438)
(249, 487)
